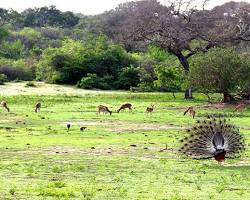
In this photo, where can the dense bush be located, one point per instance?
(76, 60)
(169, 77)
(127, 78)
(158, 71)
(92, 81)
(3, 33)
(49, 16)
(3, 79)
(18, 69)
(30, 84)
(13, 50)
(13, 72)
(220, 70)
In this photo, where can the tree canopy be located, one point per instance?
(143, 46)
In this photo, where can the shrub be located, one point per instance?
(14, 73)
(128, 77)
(220, 70)
(88, 82)
(18, 69)
(169, 77)
(30, 84)
(3, 79)
(75, 59)
(93, 81)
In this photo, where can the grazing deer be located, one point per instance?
(82, 128)
(241, 106)
(150, 110)
(4, 104)
(38, 106)
(190, 110)
(124, 106)
(103, 109)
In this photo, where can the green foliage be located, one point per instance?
(169, 77)
(92, 81)
(30, 33)
(30, 84)
(159, 71)
(62, 165)
(13, 50)
(157, 53)
(88, 82)
(3, 33)
(18, 69)
(244, 82)
(3, 79)
(128, 77)
(74, 60)
(219, 70)
(49, 16)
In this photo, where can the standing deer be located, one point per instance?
(38, 106)
(103, 109)
(150, 110)
(4, 104)
(124, 106)
(191, 111)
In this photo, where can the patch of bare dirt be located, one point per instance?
(119, 126)
(241, 163)
(213, 105)
(142, 127)
(92, 123)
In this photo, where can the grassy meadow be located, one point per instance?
(128, 155)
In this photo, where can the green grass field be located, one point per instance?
(122, 156)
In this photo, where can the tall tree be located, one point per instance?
(179, 27)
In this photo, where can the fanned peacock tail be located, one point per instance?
(213, 137)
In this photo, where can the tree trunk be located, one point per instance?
(188, 93)
(226, 97)
(173, 93)
(184, 62)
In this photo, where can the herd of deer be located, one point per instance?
(100, 108)
(104, 109)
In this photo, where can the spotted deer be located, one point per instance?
(150, 110)
(124, 106)
(103, 109)
(4, 104)
(191, 111)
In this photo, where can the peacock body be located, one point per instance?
(213, 138)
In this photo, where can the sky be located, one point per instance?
(87, 7)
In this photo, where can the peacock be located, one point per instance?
(213, 137)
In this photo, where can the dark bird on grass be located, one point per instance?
(213, 138)
(83, 128)
(68, 126)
